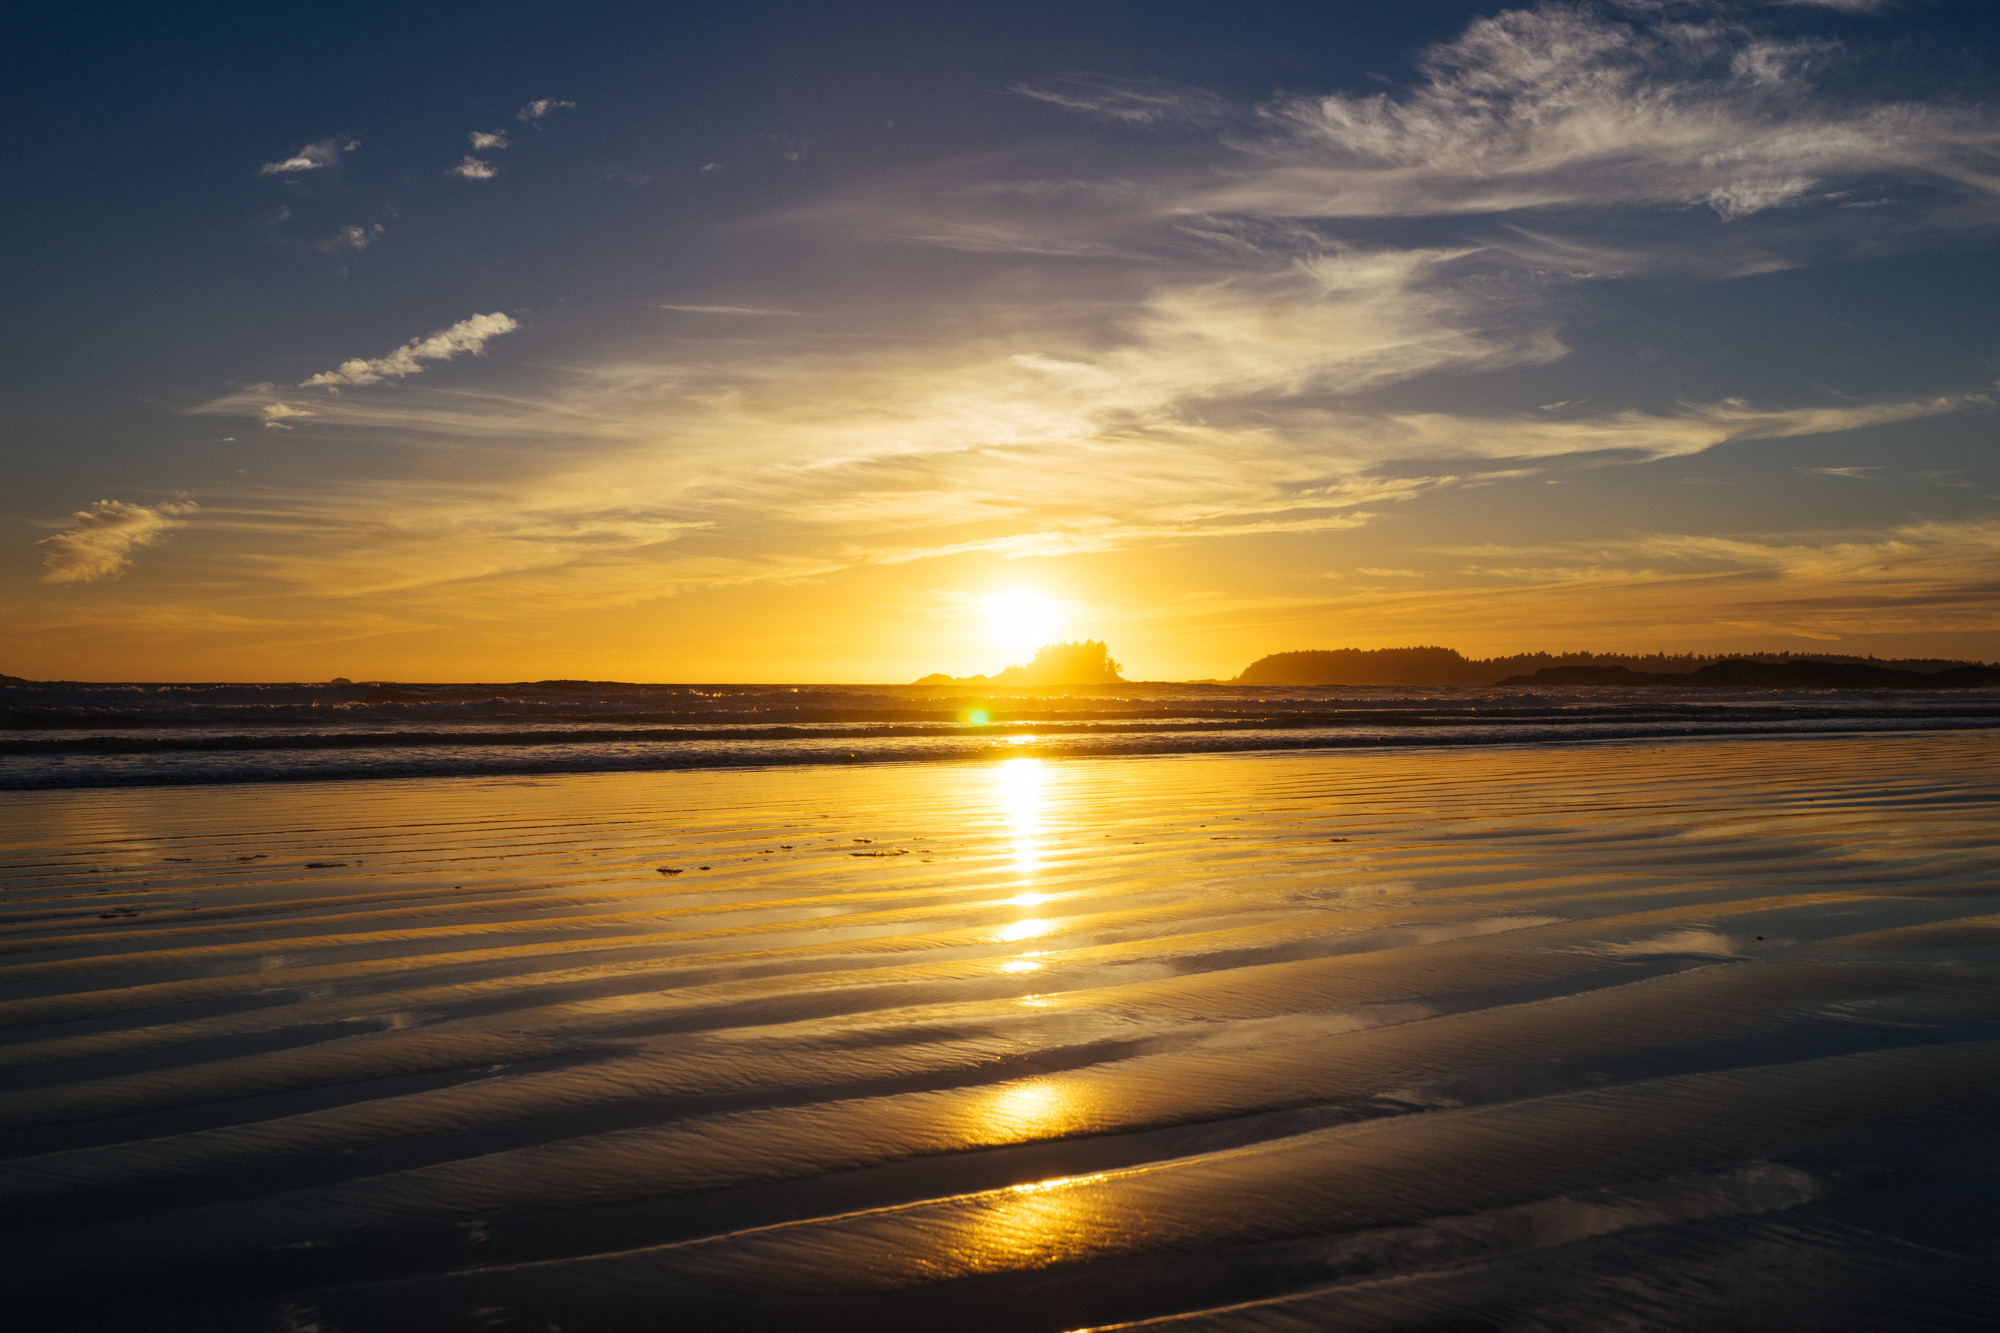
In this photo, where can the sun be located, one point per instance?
(1020, 622)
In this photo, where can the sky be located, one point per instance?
(786, 342)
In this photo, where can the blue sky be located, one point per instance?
(772, 342)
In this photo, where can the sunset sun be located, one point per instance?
(1020, 622)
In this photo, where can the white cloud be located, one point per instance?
(535, 110)
(712, 166)
(466, 336)
(624, 175)
(278, 416)
(350, 239)
(312, 157)
(481, 141)
(473, 169)
(100, 539)
(1560, 106)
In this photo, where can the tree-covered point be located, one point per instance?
(1433, 666)
(1085, 663)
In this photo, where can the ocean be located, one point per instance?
(69, 734)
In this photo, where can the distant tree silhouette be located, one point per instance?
(1446, 666)
(1086, 663)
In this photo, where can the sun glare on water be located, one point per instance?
(1020, 622)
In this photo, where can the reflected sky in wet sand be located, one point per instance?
(1026, 1044)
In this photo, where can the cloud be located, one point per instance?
(466, 336)
(278, 416)
(100, 539)
(1923, 577)
(986, 239)
(789, 148)
(481, 141)
(312, 157)
(1213, 411)
(1125, 102)
(473, 169)
(534, 111)
(1207, 363)
(725, 310)
(624, 175)
(350, 239)
(712, 166)
(1561, 107)
(1641, 436)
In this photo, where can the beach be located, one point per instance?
(1630, 1033)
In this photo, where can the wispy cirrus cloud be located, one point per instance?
(726, 310)
(1149, 104)
(467, 337)
(313, 157)
(100, 540)
(1928, 576)
(1215, 411)
(1562, 106)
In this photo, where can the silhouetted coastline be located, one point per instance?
(1432, 667)
(1741, 674)
(1085, 663)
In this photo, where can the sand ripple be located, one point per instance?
(1704, 1034)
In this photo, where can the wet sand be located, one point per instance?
(1694, 1035)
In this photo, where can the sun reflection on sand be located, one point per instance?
(1037, 1221)
(1032, 1108)
(1043, 1186)
(1020, 792)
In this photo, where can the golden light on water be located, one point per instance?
(1035, 1108)
(1020, 797)
(1020, 792)
(1038, 1221)
(1060, 1182)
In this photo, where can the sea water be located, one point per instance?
(71, 734)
